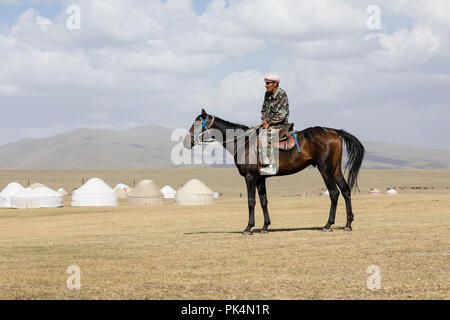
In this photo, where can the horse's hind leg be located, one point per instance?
(328, 178)
(346, 193)
(263, 199)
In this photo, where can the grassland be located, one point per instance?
(173, 252)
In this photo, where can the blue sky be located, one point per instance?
(135, 62)
(10, 12)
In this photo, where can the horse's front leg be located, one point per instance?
(251, 190)
(263, 199)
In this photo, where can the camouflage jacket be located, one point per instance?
(275, 109)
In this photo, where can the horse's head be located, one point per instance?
(202, 124)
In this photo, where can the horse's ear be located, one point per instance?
(203, 113)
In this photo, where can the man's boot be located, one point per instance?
(271, 169)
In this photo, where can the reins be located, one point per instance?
(198, 134)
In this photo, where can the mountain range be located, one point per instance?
(151, 147)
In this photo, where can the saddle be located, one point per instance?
(287, 144)
(287, 138)
(286, 130)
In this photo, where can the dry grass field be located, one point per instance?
(174, 252)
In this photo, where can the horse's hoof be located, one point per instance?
(348, 229)
(327, 230)
(264, 232)
(247, 233)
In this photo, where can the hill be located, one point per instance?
(151, 146)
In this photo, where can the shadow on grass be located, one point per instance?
(270, 230)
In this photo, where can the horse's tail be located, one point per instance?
(355, 151)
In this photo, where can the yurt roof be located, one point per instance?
(145, 188)
(195, 186)
(45, 192)
(36, 193)
(168, 189)
(36, 185)
(392, 191)
(94, 186)
(375, 190)
(11, 189)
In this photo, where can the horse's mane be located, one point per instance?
(231, 124)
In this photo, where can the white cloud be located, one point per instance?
(44, 23)
(405, 48)
(121, 21)
(169, 62)
(238, 92)
(430, 12)
(333, 48)
(9, 90)
(53, 69)
(142, 61)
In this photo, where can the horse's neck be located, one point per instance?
(223, 126)
(226, 128)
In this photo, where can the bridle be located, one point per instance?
(199, 132)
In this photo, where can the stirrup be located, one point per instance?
(271, 169)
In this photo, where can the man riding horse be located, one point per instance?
(274, 116)
(320, 147)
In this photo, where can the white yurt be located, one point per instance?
(10, 190)
(48, 198)
(146, 193)
(122, 190)
(25, 199)
(194, 193)
(94, 193)
(63, 192)
(36, 185)
(168, 192)
(42, 197)
(392, 191)
(375, 192)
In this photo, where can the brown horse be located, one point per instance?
(320, 147)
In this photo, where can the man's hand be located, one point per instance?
(265, 125)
